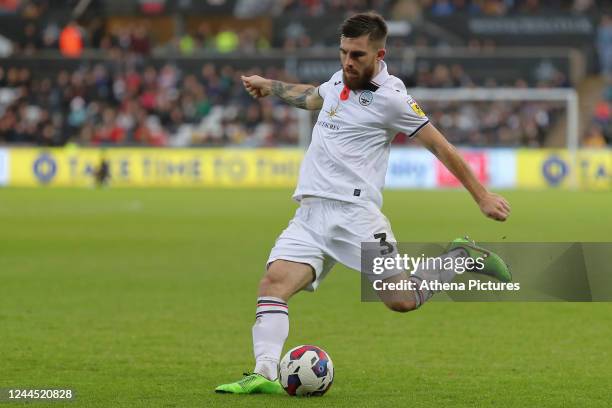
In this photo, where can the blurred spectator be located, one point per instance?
(140, 41)
(251, 41)
(6, 46)
(226, 41)
(594, 137)
(600, 131)
(71, 40)
(187, 44)
(442, 8)
(407, 10)
(50, 36)
(33, 9)
(528, 6)
(96, 32)
(296, 37)
(604, 45)
(583, 6)
(204, 37)
(9, 6)
(30, 42)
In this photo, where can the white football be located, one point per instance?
(306, 371)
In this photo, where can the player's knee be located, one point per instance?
(401, 306)
(274, 282)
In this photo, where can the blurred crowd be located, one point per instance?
(134, 103)
(438, 75)
(505, 7)
(130, 38)
(324, 7)
(497, 123)
(40, 33)
(599, 129)
(204, 38)
(502, 123)
(151, 106)
(140, 106)
(438, 7)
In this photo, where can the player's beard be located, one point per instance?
(359, 81)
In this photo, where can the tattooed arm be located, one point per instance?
(300, 96)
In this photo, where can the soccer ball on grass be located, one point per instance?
(306, 371)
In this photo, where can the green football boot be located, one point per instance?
(252, 384)
(493, 265)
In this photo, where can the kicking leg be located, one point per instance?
(407, 300)
(398, 300)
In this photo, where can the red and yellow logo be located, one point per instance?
(416, 108)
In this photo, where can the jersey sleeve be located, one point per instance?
(406, 115)
(323, 88)
(326, 86)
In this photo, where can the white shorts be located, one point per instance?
(324, 232)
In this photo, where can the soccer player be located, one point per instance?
(362, 108)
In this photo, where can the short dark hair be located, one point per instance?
(370, 23)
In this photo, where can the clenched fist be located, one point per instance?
(257, 86)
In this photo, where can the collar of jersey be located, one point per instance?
(381, 77)
(378, 80)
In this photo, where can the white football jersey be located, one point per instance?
(349, 152)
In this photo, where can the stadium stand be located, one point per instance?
(132, 107)
(134, 86)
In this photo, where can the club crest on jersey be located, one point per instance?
(366, 97)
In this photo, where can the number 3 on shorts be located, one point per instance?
(387, 247)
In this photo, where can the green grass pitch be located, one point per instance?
(145, 298)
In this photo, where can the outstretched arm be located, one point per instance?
(492, 205)
(298, 95)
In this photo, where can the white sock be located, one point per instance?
(431, 275)
(270, 331)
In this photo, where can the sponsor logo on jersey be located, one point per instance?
(327, 125)
(365, 98)
(416, 108)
